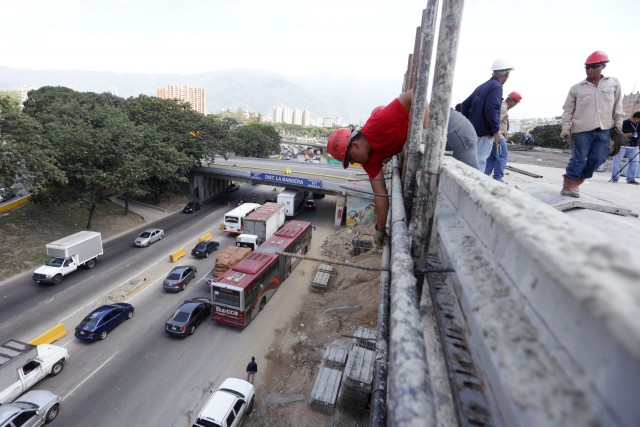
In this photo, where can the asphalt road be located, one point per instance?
(139, 375)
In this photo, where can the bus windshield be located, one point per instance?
(226, 296)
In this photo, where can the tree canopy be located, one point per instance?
(81, 147)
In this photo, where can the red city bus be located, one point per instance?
(294, 237)
(240, 293)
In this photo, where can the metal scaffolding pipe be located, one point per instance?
(381, 365)
(410, 394)
(425, 204)
(418, 105)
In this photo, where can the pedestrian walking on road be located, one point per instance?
(497, 161)
(630, 151)
(252, 369)
(382, 136)
(592, 116)
(482, 108)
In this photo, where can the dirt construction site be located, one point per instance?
(324, 320)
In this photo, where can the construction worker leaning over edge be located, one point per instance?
(382, 136)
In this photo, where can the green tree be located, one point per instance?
(549, 136)
(100, 150)
(516, 138)
(255, 140)
(25, 155)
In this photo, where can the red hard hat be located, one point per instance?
(597, 57)
(338, 144)
(515, 95)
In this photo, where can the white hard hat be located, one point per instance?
(501, 64)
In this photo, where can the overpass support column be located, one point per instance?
(198, 188)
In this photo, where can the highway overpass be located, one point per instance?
(350, 187)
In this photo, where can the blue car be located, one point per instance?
(103, 320)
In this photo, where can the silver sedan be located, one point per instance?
(32, 409)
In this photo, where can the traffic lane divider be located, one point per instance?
(177, 254)
(7, 206)
(205, 237)
(50, 336)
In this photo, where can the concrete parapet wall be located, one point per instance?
(552, 304)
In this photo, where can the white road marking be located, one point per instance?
(48, 300)
(66, 396)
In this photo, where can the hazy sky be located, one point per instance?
(547, 41)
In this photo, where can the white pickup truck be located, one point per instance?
(67, 254)
(22, 365)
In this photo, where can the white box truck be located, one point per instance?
(22, 365)
(247, 241)
(264, 221)
(67, 254)
(291, 199)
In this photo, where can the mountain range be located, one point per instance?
(350, 99)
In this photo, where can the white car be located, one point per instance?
(228, 405)
(32, 409)
(149, 236)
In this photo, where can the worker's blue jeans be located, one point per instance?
(589, 150)
(497, 160)
(485, 143)
(632, 157)
(464, 143)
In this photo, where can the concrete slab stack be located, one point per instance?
(321, 279)
(335, 358)
(357, 381)
(365, 338)
(325, 390)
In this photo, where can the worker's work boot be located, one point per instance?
(570, 187)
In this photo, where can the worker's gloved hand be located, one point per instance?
(565, 134)
(379, 237)
(618, 140)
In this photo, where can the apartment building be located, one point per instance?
(195, 96)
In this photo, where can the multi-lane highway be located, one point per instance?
(139, 375)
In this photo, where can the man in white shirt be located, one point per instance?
(592, 108)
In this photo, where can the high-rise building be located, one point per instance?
(195, 96)
(277, 114)
(306, 118)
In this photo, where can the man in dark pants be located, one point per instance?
(592, 110)
(252, 368)
(482, 108)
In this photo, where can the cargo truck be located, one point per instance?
(67, 254)
(22, 365)
(291, 200)
(264, 221)
(228, 258)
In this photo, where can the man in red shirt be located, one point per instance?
(382, 136)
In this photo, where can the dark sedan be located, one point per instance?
(179, 278)
(191, 207)
(203, 249)
(103, 320)
(232, 187)
(188, 316)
